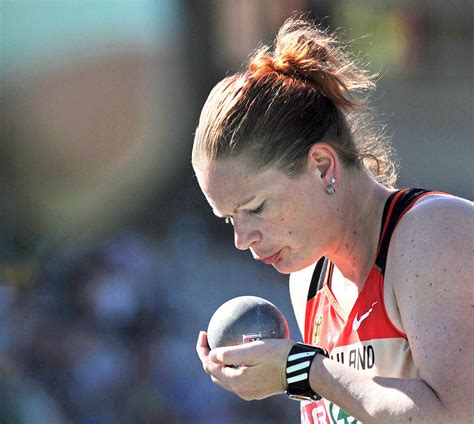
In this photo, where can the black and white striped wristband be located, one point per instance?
(298, 365)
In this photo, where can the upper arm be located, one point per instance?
(430, 268)
(299, 286)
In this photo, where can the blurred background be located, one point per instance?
(110, 260)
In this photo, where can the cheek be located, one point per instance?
(289, 222)
(293, 229)
(287, 225)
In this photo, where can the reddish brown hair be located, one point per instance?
(303, 91)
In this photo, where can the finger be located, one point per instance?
(202, 340)
(214, 369)
(224, 377)
(229, 372)
(224, 384)
(236, 355)
(202, 348)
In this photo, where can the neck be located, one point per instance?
(359, 218)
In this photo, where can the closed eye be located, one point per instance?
(229, 220)
(258, 210)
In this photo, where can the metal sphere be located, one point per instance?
(244, 319)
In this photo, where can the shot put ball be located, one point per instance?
(244, 319)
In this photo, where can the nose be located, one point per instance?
(244, 236)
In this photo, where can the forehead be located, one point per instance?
(228, 183)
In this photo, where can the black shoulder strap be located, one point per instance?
(395, 207)
(317, 280)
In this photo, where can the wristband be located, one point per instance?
(298, 365)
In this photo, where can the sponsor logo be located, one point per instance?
(314, 413)
(320, 415)
(247, 338)
(317, 327)
(357, 322)
(339, 416)
(325, 412)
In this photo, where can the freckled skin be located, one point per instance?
(301, 222)
(286, 224)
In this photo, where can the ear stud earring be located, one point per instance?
(330, 188)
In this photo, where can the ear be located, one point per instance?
(323, 159)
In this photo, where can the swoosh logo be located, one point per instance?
(357, 322)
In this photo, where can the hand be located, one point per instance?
(253, 370)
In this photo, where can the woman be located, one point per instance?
(380, 278)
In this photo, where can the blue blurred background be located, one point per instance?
(110, 260)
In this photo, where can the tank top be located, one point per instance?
(366, 339)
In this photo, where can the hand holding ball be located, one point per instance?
(244, 319)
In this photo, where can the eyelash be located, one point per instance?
(228, 219)
(258, 210)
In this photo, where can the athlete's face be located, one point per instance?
(282, 220)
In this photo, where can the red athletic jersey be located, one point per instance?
(366, 339)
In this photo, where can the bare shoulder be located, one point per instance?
(432, 247)
(429, 270)
(437, 205)
(438, 228)
(299, 286)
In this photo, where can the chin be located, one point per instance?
(284, 267)
(282, 270)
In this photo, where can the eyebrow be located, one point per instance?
(239, 206)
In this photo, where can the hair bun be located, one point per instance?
(304, 52)
(262, 64)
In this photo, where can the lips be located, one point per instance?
(270, 259)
